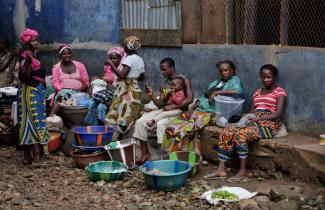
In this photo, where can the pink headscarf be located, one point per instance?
(120, 51)
(27, 35)
(63, 47)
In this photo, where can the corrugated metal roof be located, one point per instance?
(151, 14)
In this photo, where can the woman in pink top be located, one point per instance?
(69, 74)
(116, 55)
(263, 122)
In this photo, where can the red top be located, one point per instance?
(267, 101)
(177, 98)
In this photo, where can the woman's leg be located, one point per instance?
(145, 152)
(242, 137)
(36, 152)
(225, 147)
(27, 155)
(141, 134)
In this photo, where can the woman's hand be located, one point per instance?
(190, 111)
(109, 62)
(256, 119)
(149, 90)
(211, 97)
(169, 107)
(29, 53)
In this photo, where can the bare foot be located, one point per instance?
(241, 176)
(217, 174)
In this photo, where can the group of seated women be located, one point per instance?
(176, 119)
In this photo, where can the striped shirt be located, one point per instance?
(267, 101)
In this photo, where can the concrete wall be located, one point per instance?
(63, 20)
(91, 27)
(301, 73)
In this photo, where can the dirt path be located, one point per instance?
(58, 185)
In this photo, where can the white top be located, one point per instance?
(136, 64)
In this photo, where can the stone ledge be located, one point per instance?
(295, 156)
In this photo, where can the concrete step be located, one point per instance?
(296, 156)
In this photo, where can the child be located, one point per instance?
(97, 85)
(102, 98)
(176, 96)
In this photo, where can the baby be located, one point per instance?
(176, 96)
(97, 85)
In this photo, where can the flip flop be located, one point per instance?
(212, 176)
(235, 180)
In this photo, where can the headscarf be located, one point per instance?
(63, 47)
(132, 43)
(121, 52)
(27, 35)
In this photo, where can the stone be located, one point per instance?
(170, 204)
(276, 196)
(284, 205)
(248, 204)
(261, 199)
(307, 207)
(264, 189)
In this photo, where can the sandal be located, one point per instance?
(236, 180)
(212, 176)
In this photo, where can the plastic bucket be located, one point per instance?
(122, 151)
(228, 106)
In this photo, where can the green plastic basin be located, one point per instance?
(106, 170)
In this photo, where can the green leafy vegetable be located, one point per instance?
(224, 194)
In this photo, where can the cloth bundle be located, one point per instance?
(8, 91)
(54, 122)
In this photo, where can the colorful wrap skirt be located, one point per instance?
(126, 106)
(183, 129)
(237, 138)
(32, 115)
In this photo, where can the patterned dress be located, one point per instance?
(126, 107)
(237, 138)
(182, 129)
(31, 108)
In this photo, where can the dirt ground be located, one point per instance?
(57, 184)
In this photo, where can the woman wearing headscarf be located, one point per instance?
(126, 106)
(183, 129)
(117, 56)
(68, 76)
(102, 96)
(31, 102)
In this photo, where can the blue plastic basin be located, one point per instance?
(165, 175)
(92, 136)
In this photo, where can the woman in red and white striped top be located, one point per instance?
(266, 110)
(267, 101)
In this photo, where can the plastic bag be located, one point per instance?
(240, 192)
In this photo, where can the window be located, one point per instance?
(155, 22)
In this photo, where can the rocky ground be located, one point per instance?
(56, 184)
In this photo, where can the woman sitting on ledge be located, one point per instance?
(263, 122)
(183, 128)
